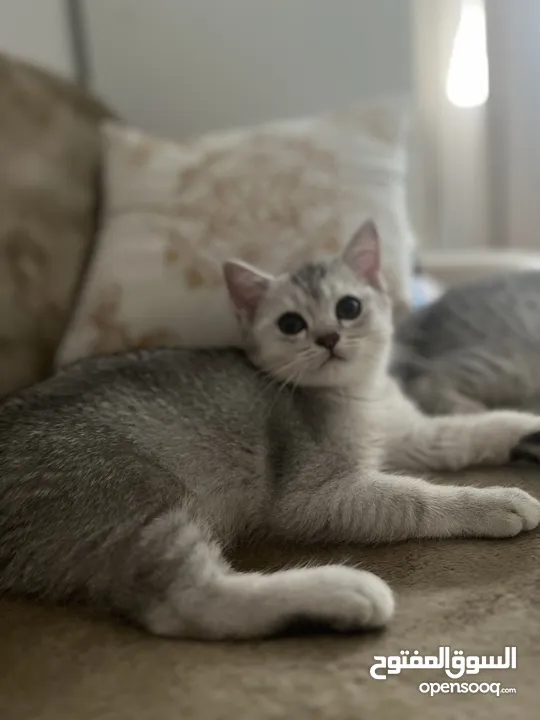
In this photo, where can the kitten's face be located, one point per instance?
(326, 324)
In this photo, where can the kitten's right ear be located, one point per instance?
(246, 286)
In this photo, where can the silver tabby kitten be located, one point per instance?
(123, 478)
(477, 347)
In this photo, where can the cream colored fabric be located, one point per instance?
(49, 165)
(474, 595)
(275, 196)
(453, 266)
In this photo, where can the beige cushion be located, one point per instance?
(452, 267)
(275, 196)
(50, 155)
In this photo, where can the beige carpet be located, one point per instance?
(479, 596)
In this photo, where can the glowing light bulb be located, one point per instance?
(467, 83)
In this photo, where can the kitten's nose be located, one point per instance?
(328, 341)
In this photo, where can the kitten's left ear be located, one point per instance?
(246, 286)
(363, 254)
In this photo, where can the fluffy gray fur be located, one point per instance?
(123, 478)
(477, 347)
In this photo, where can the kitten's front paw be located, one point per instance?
(527, 450)
(507, 512)
(511, 437)
(504, 436)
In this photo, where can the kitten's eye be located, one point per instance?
(291, 323)
(348, 308)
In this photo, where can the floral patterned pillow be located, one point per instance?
(274, 195)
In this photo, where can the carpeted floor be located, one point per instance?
(478, 596)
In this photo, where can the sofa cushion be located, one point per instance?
(275, 195)
(49, 150)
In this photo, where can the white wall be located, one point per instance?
(188, 66)
(451, 207)
(514, 114)
(37, 30)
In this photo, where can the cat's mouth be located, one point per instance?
(332, 356)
